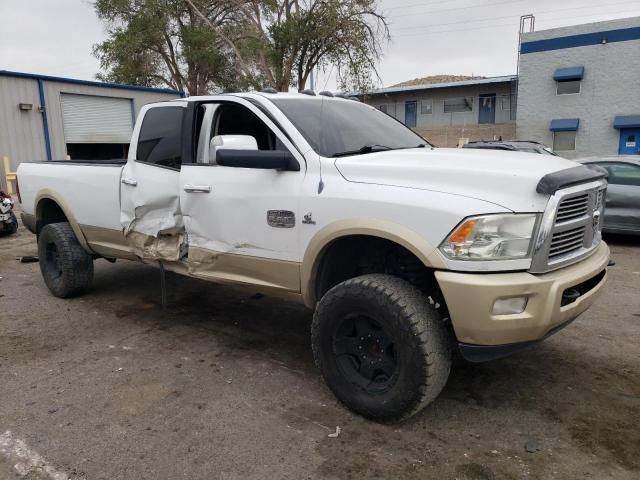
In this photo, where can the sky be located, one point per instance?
(428, 37)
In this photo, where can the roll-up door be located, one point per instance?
(94, 119)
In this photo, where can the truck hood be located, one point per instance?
(505, 178)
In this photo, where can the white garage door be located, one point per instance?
(93, 119)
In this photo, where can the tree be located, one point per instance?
(288, 39)
(165, 42)
(211, 45)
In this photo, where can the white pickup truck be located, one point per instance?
(404, 251)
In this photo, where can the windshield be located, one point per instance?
(346, 127)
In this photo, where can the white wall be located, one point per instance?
(21, 133)
(610, 87)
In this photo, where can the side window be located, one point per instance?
(460, 104)
(623, 174)
(234, 119)
(160, 139)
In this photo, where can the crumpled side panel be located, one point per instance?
(156, 231)
(168, 245)
(202, 261)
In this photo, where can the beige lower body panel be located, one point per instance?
(470, 299)
(29, 221)
(243, 269)
(107, 242)
(269, 276)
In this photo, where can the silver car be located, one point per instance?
(622, 208)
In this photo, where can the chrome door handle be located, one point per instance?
(129, 181)
(197, 188)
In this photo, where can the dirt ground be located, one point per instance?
(223, 386)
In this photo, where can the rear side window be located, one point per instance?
(623, 174)
(160, 140)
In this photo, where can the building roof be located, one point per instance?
(581, 28)
(432, 79)
(433, 86)
(91, 83)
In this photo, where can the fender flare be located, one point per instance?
(372, 227)
(47, 194)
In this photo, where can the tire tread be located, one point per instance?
(76, 263)
(420, 318)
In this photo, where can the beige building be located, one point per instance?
(49, 118)
(446, 112)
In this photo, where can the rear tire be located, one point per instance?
(66, 267)
(381, 348)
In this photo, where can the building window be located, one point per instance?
(564, 141)
(426, 107)
(568, 87)
(461, 104)
(383, 108)
(505, 103)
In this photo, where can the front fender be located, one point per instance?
(385, 229)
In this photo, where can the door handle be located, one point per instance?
(129, 181)
(197, 188)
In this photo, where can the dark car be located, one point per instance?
(513, 145)
(622, 208)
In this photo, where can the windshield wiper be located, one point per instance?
(362, 150)
(374, 148)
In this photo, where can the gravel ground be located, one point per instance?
(222, 386)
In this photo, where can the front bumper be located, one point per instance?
(470, 299)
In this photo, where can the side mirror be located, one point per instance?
(230, 142)
(264, 159)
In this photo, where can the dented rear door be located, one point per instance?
(150, 212)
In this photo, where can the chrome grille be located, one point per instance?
(566, 242)
(570, 228)
(574, 207)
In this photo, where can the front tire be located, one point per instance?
(381, 348)
(66, 267)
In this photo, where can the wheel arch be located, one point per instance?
(50, 207)
(328, 236)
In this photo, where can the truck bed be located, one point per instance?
(77, 186)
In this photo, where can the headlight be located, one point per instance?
(491, 237)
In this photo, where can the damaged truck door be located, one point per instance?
(240, 198)
(149, 186)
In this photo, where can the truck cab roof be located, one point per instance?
(279, 95)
